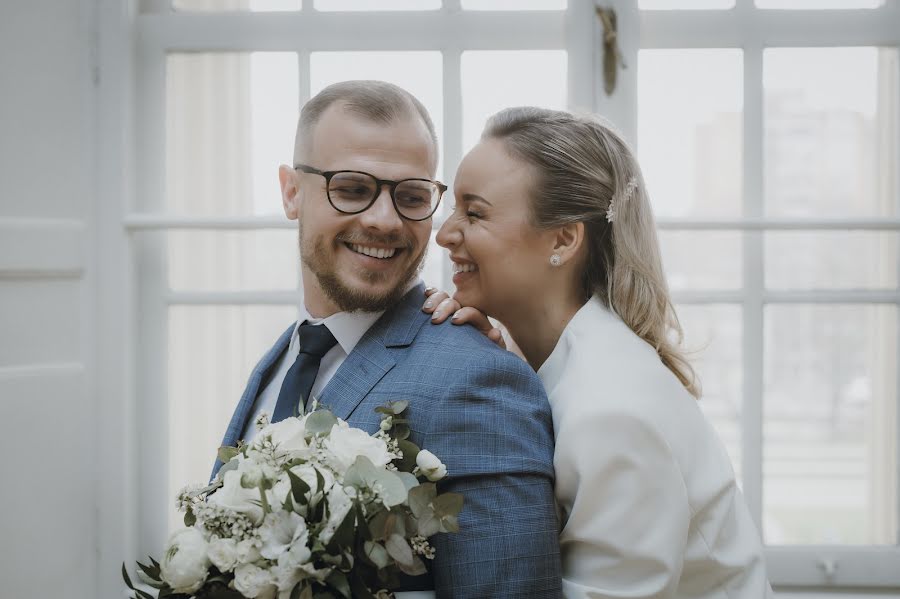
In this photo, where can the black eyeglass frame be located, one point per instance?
(379, 183)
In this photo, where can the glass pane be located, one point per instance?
(419, 73)
(236, 5)
(829, 453)
(212, 350)
(684, 4)
(690, 130)
(233, 260)
(230, 122)
(713, 338)
(348, 5)
(819, 4)
(829, 131)
(701, 260)
(492, 80)
(831, 260)
(513, 4)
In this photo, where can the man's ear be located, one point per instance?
(568, 239)
(290, 191)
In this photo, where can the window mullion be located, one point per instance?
(753, 322)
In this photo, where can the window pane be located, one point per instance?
(818, 4)
(829, 131)
(493, 80)
(233, 5)
(684, 4)
(348, 5)
(513, 4)
(230, 122)
(233, 260)
(701, 260)
(690, 130)
(419, 73)
(713, 338)
(829, 464)
(831, 260)
(212, 350)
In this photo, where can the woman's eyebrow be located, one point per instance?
(471, 197)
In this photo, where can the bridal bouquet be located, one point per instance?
(311, 508)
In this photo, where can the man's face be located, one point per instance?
(358, 261)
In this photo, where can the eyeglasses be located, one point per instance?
(352, 192)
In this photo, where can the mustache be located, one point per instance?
(395, 240)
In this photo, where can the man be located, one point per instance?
(362, 192)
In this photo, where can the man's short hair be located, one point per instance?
(377, 101)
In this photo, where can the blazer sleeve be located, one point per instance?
(627, 530)
(493, 430)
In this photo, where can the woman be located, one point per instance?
(552, 235)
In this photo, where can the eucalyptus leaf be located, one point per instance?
(377, 554)
(416, 568)
(428, 524)
(409, 450)
(449, 524)
(447, 504)
(399, 549)
(377, 525)
(320, 423)
(344, 534)
(409, 480)
(398, 406)
(226, 453)
(420, 499)
(189, 518)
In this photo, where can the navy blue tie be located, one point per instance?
(315, 341)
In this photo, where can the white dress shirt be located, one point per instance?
(649, 507)
(347, 328)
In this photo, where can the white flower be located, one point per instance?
(247, 551)
(339, 503)
(289, 570)
(280, 532)
(288, 435)
(223, 554)
(431, 466)
(185, 565)
(252, 581)
(235, 497)
(345, 444)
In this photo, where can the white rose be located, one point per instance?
(185, 565)
(252, 581)
(223, 554)
(345, 444)
(235, 497)
(430, 465)
(288, 435)
(289, 570)
(247, 551)
(339, 503)
(280, 532)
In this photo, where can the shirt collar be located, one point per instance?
(347, 327)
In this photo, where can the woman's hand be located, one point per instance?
(440, 305)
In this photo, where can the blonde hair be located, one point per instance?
(582, 166)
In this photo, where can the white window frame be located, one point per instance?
(133, 293)
(752, 30)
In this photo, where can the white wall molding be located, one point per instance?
(34, 247)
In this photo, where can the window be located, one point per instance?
(770, 143)
(769, 139)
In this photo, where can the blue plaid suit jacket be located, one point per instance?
(484, 413)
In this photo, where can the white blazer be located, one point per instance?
(649, 507)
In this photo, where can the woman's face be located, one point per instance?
(499, 259)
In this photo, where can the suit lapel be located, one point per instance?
(259, 374)
(371, 359)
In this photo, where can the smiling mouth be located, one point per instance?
(458, 268)
(372, 252)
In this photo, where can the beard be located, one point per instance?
(350, 299)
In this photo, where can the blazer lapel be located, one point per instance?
(259, 374)
(371, 359)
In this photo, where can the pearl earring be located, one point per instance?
(555, 260)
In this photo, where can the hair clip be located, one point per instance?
(630, 187)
